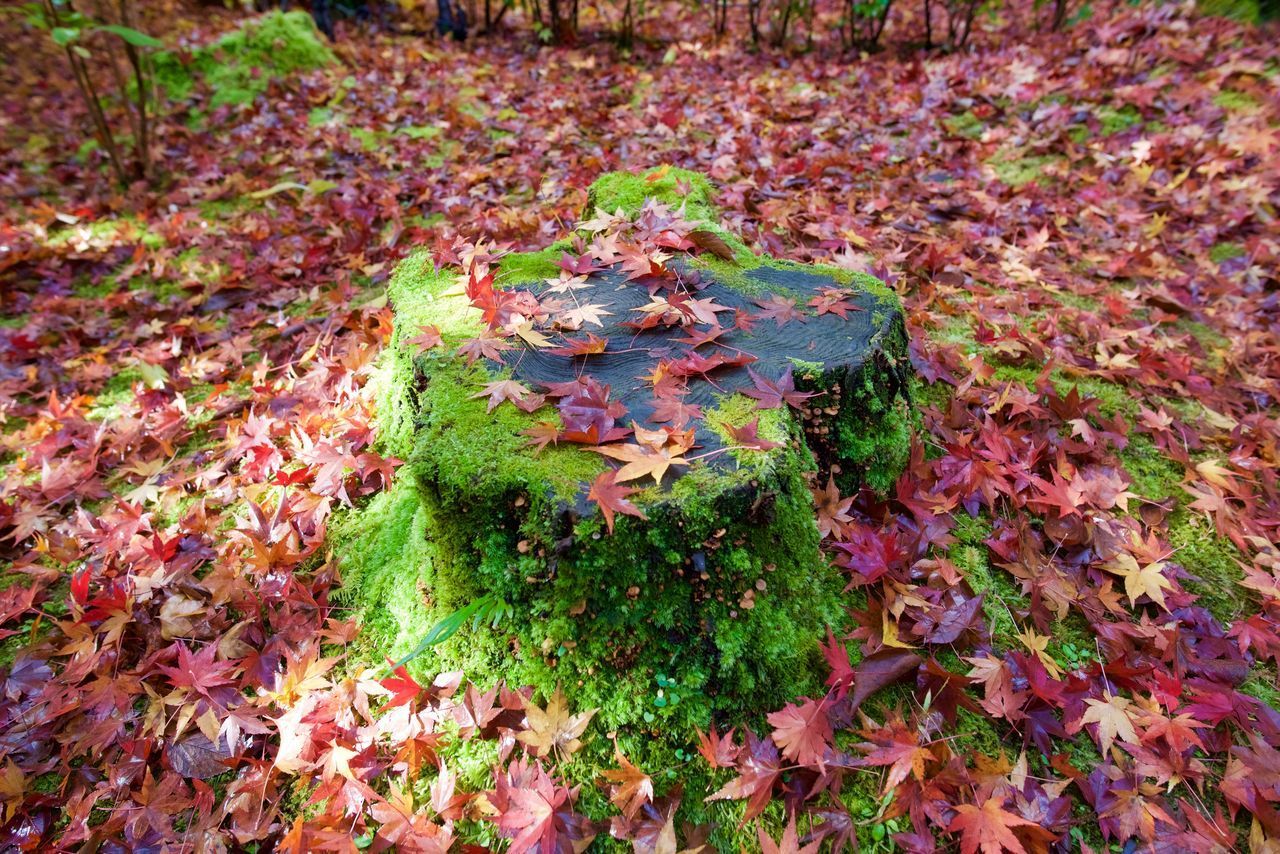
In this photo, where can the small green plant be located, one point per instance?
(879, 829)
(1075, 657)
(486, 609)
(92, 46)
(864, 22)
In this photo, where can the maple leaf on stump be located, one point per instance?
(641, 461)
(748, 436)
(771, 394)
(518, 394)
(611, 497)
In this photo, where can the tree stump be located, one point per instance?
(703, 589)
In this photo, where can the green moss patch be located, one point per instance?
(675, 187)
(1019, 170)
(239, 66)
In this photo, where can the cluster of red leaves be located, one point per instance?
(164, 547)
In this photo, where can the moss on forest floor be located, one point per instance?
(241, 65)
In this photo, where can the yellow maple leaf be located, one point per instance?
(1038, 644)
(531, 336)
(1139, 579)
(642, 462)
(1112, 718)
(889, 633)
(553, 729)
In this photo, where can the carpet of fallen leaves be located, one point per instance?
(183, 406)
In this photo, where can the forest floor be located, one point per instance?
(1080, 560)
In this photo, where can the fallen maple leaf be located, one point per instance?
(788, 844)
(833, 511)
(553, 729)
(899, 747)
(427, 338)
(641, 461)
(633, 788)
(803, 732)
(1140, 580)
(1112, 718)
(748, 436)
(709, 241)
(502, 390)
(612, 498)
(988, 827)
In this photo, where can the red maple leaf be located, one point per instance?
(428, 337)
(612, 498)
(988, 827)
(748, 436)
(781, 310)
(403, 687)
(758, 771)
(770, 394)
(803, 732)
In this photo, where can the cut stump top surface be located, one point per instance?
(798, 342)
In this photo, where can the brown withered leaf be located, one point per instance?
(553, 729)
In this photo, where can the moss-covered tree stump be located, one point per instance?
(538, 400)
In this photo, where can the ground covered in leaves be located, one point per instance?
(1067, 608)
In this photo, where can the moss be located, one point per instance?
(1018, 171)
(1261, 685)
(868, 440)
(1001, 595)
(1113, 398)
(1245, 11)
(867, 806)
(521, 268)
(1084, 302)
(240, 65)
(102, 234)
(723, 593)
(734, 274)
(1215, 563)
(1113, 121)
(773, 425)
(1235, 102)
(1072, 641)
(386, 557)
(14, 644)
(977, 735)
(966, 124)
(116, 395)
(1220, 252)
(48, 784)
(86, 288)
(623, 191)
